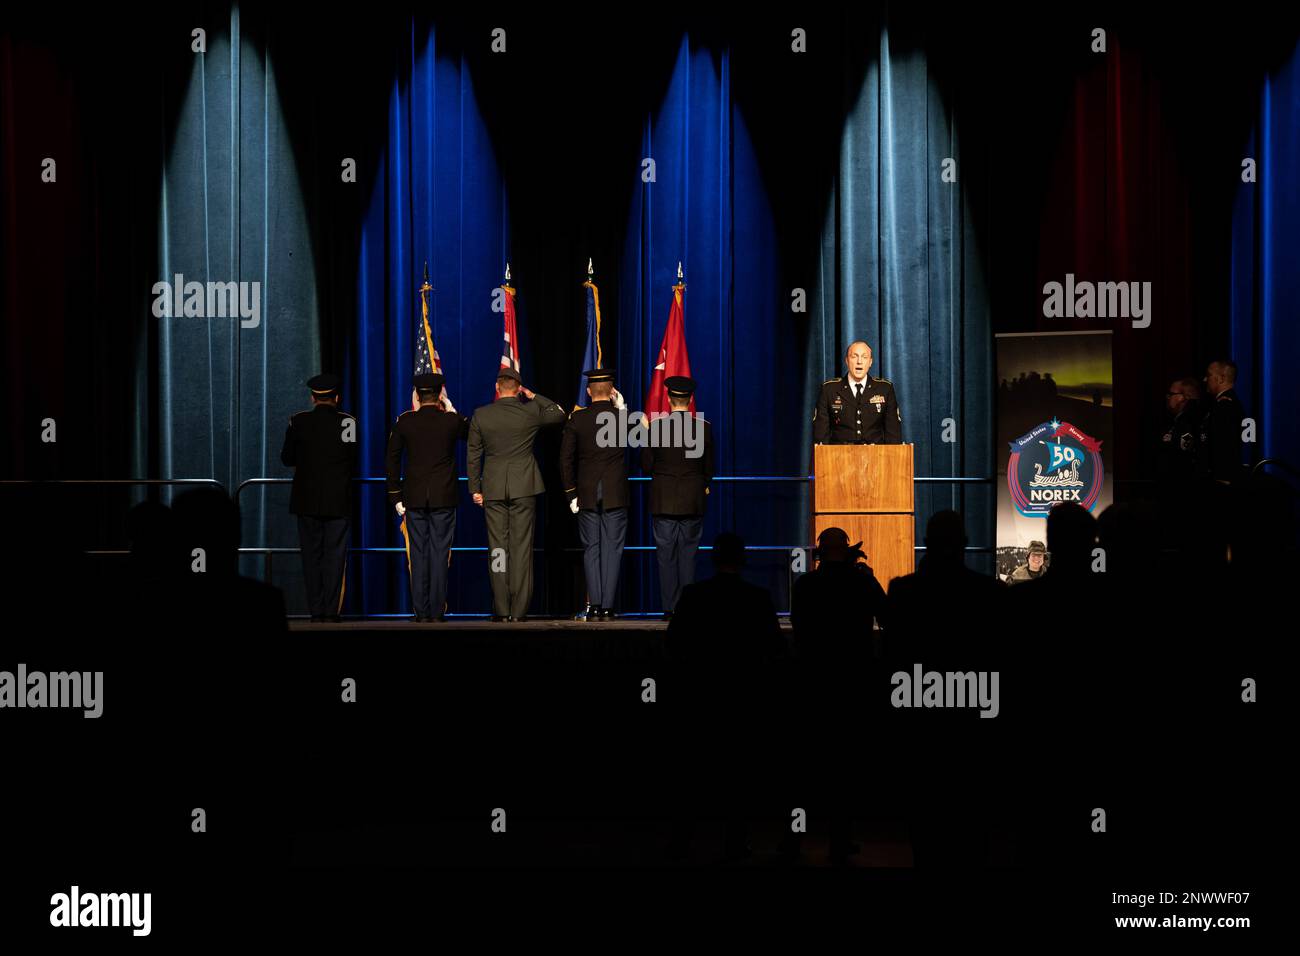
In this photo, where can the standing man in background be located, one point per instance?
(321, 446)
(427, 497)
(1180, 443)
(1221, 423)
(504, 480)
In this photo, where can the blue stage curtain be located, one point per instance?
(1265, 281)
(437, 196)
(230, 209)
(901, 269)
(707, 208)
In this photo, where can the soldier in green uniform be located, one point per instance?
(1034, 566)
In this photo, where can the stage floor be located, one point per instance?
(473, 625)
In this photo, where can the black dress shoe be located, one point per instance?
(591, 613)
(607, 615)
(519, 620)
(498, 618)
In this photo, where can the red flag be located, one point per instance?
(673, 359)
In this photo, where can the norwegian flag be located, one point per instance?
(510, 345)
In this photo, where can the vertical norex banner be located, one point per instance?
(1055, 422)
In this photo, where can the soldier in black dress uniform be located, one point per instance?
(857, 409)
(1180, 443)
(321, 446)
(595, 482)
(679, 484)
(1221, 424)
(427, 495)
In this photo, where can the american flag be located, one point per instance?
(510, 345)
(426, 356)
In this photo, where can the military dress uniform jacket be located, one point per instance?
(316, 447)
(1180, 445)
(428, 436)
(1221, 437)
(584, 465)
(500, 458)
(842, 419)
(678, 484)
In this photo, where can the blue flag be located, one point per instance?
(591, 357)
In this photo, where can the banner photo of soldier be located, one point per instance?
(1055, 426)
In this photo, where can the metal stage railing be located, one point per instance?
(269, 553)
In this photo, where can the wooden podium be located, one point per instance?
(867, 491)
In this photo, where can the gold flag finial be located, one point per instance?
(507, 271)
(679, 269)
(590, 271)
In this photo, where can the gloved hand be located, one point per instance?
(401, 509)
(618, 399)
(573, 506)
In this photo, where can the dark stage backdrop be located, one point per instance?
(775, 171)
(436, 197)
(900, 261)
(1265, 280)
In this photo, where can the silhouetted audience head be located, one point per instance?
(1130, 535)
(728, 552)
(1071, 536)
(206, 518)
(151, 529)
(833, 546)
(945, 537)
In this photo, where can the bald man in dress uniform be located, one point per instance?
(857, 409)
